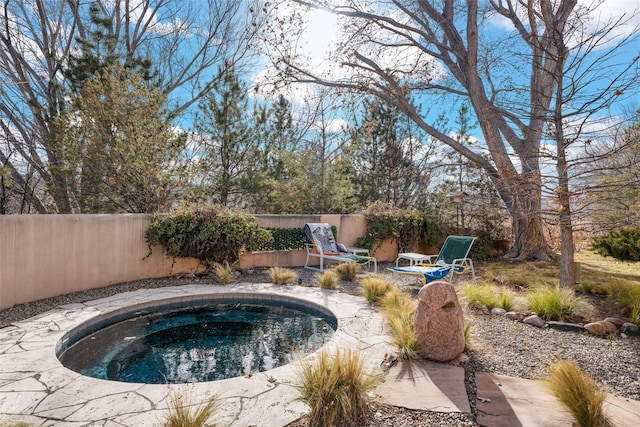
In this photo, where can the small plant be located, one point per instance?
(374, 288)
(282, 276)
(555, 303)
(396, 302)
(404, 335)
(399, 308)
(223, 273)
(482, 294)
(327, 279)
(335, 388)
(468, 340)
(579, 393)
(507, 300)
(634, 317)
(182, 414)
(348, 271)
(627, 295)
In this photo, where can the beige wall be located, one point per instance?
(48, 255)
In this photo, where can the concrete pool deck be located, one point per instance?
(35, 388)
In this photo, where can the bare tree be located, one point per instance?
(181, 41)
(589, 80)
(398, 48)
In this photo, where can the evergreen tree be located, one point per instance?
(390, 158)
(99, 50)
(230, 129)
(121, 153)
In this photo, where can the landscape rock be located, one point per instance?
(439, 326)
(514, 315)
(615, 320)
(535, 320)
(498, 311)
(611, 328)
(564, 326)
(596, 328)
(629, 328)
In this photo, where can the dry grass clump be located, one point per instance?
(578, 393)
(282, 276)
(374, 288)
(348, 271)
(634, 317)
(399, 308)
(335, 388)
(489, 295)
(12, 424)
(327, 279)
(223, 273)
(183, 414)
(468, 339)
(555, 302)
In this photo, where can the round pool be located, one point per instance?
(194, 341)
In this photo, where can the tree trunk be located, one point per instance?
(529, 239)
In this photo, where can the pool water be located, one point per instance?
(204, 344)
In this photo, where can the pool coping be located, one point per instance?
(36, 388)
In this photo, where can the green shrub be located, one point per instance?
(578, 393)
(282, 239)
(406, 227)
(555, 303)
(623, 244)
(206, 234)
(335, 388)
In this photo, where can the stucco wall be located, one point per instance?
(48, 255)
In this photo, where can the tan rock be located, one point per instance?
(611, 328)
(439, 326)
(596, 328)
(535, 320)
(615, 320)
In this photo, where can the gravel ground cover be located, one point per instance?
(501, 346)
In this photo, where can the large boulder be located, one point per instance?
(439, 326)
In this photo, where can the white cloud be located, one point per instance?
(598, 15)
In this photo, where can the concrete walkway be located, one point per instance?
(35, 388)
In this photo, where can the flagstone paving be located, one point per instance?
(35, 388)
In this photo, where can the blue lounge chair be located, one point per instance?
(452, 258)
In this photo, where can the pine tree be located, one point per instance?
(229, 127)
(390, 158)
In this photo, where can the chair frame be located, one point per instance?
(464, 263)
(315, 250)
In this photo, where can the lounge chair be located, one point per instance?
(323, 246)
(452, 258)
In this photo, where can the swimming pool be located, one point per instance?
(196, 341)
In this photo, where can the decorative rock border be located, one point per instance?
(611, 326)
